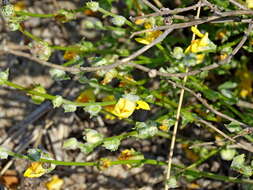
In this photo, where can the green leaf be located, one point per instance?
(227, 85)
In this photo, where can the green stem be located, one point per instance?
(25, 13)
(52, 97)
(143, 161)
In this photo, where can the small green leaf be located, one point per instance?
(227, 85)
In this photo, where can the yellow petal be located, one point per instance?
(142, 105)
(55, 183)
(196, 31)
(35, 170)
(200, 58)
(86, 96)
(124, 108)
(139, 21)
(143, 41)
(249, 3)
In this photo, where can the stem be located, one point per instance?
(144, 161)
(52, 97)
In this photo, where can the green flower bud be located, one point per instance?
(92, 136)
(57, 101)
(34, 154)
(93, 110)
(70, 144)
(86, 148)
(112, 144)
(238, 161)
(178, 52)
(145, 131)
(118, 20)
(8, 10)
(4, 76)
(86, 46)
(247, 171)
(3, 153)
(69, 108)
(36, 98)
(172, 182)
(41, 50)
(228, 154)
(58, 74)
(89, 24)
(94, 6)
(13, 26)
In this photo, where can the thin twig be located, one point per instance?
(173, 139)
(238, 4)
(198, 21)
(210, 125)
(90, 69)
(150, 5)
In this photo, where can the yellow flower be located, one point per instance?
(55, 183)
(104, 163)
(124, 108)
(249, 3)
(142, 105)
(86, 96)
(109, 108)
(149, 36)
(36, 169)
(126, 154)
(164, 128)
(246, 81)
(199, 45)
(20, 5)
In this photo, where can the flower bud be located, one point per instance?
(37, 99)
(8, 10)
(93, 110)
(13, 26)
(3, 153)
(57, 101)
(111, 144)
(94, 6)
(178, 52)
(4, 76)
(70, 144)
(58, 74)
(34, 154)
(118, 20)
(69, 108)
(92, 136)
